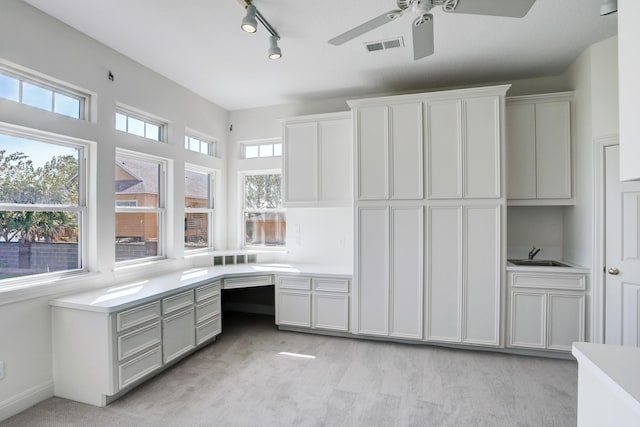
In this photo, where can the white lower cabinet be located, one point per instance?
(131, 345)
(313, 302)
(546, 311)
(464, 278)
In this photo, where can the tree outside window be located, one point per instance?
(264, 218)
(40, 207)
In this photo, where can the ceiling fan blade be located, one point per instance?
(366, 27)
(423, 36)
(510, 8)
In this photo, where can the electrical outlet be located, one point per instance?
(1, 369)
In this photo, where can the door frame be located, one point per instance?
(599, 242)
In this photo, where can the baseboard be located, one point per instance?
(21, 401)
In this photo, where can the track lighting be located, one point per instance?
(274, 50)
(249, 23)
(609, 7)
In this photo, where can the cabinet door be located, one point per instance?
(373, 271)
(178, 334)
(301, 162)
(444, 143)
(553, 150)
(482, 275)
(373, 153)
(527, 318)
(521, 151)
(330, 311)
(482, 147)
(335, 151)
(444, 285)
(294, 308)
(406, 151)
(566, 321)
(406, 272)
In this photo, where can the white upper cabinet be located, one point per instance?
(390, 152)
(444, 136)
(629, 70)
(317, 160)
(481, 149)
(406, 151)
(539, 157)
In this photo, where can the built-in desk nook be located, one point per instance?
(107, 341)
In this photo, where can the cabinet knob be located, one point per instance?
(613, 271)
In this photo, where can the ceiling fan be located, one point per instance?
(422, 27)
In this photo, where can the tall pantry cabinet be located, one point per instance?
(429, 216)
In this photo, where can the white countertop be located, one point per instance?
(571, 268)
(124, 295)
(617, 366)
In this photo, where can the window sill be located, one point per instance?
(43, 287)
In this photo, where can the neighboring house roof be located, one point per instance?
(196, 185)
(136, 177)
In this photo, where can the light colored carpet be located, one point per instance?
(241, 380)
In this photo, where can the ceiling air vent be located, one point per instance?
(384, 44)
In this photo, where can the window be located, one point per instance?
(42, 205)
(264, 218)
(198, 209)
(139, 125)
(41, 94)
(140, 207)
(261, 149)
(200, 146)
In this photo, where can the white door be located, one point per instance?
(622, 254)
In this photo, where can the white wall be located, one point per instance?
(594, 77)
(539, 226)
(34, 40)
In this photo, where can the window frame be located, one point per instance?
(146, 118)
(273, 142)
(55, 87)
(210, 143)
(160, 210)
(81, 209)
(210, 210)
(244, 209)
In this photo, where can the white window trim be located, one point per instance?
(146, 118)
(57, 86)
(161, 210)
(212, 142)
(25, 283)
(241, 185)
(209, 210)
(258, 142)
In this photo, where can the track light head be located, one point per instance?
(274, 50)
(609, 7)
(249, 23)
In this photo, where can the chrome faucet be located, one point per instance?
(533, 252)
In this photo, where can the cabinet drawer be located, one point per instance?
(139, 367)
(208, 309)
(331, 285)
(208, 330)
(207, 291)
(138, 340)
(137, 316)
(177, 302)
(549, 281)
(302, 283)
(247, 282)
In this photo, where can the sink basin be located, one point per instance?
(537, 262)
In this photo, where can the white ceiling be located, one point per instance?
(199, 44)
